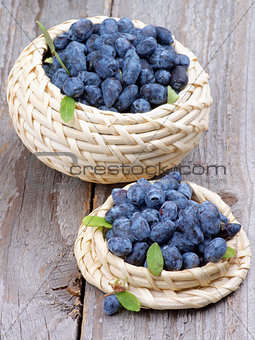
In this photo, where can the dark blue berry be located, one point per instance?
(169, 182)
(180, 200)
(146, 75)
(151, 215)
(90, 78)
(111, 89)
(190, 260)
(119, 196)
(191, 230)
(124, 209)
(162, 231)
(224, 219)
(176, 174)
(131, 68)
(109, 39)
(105, 108)
(121, 227)
(56, 62)
(138, 255)
(108, 26)
(122, 45)
(155, 198)
(185, 189)
(75, 59)
(73, 87)
(91, 59)
(59, 77)
(154, 93)
(162, 77)
(183, 60)
(209, 218)
(180, 241)
(49, 69)
(61, 41)
(94, 43)
(107, 50)
(201, 247)
(120, 62)
(172, 258)
(139, 36)
(109, 234)
(230, 230)
(96, 28)
(126, 98)
(111, 304)
(146, 47)
(135, 194)
(81, 30)
(145, 184)
(215, 250)
(93, 95)
(168, 211)
(163, 58)
(139, 227)
(106, 66)
(179, 78)
(76, 47)
(120, 246)
(82, 100)
(149, 31)
(140, 106)
(125, 25)
(164, 36)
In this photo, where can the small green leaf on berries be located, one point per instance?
(51, 45)
(67, 107)
(96, 221)
(172, 96)
(229, 253)
(49, 60)
(155, 259)
(128, 301)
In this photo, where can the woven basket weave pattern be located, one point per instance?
(190, 288)
(165, 134)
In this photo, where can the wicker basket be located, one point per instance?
(189, 288)
(159, 138)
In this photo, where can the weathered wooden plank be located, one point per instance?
(203, 26)
(40, 209)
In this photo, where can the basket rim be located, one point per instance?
(184, 95)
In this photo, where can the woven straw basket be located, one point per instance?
(189, 288)
(164, 135)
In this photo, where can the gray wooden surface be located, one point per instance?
(41, 209)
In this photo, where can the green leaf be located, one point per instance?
(61, 63)
(47, 37)
(96, 221)
(120, 75)
(48, 60)
(51, 45)
(67, 107)
(155, 259)
(128, 301)
(229, 253)
(172, 96)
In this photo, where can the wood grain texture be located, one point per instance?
(41, 209)
(202, 26)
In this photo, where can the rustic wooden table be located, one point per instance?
(41, 209)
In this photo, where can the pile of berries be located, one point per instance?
(115, 66)
(189, 234)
